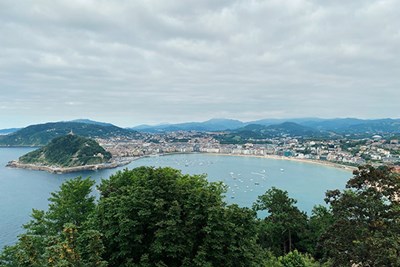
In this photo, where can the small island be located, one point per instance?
(69, 153)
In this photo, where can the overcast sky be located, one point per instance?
(153, 61)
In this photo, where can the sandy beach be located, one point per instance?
(310, 161)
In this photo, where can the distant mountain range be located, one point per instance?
(340, 126)
(210, 125)
(8, 131)
(351, 125)
(87, 121)
(41, 134)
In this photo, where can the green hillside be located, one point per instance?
(41, 134)
(257, 133)
(68, 151)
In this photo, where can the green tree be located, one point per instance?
(366, 227)
(297, 259)
(280, 230)
(293, 259)
(320, 220)
(72, 204)
(160, 217)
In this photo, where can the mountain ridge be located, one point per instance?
(42, 134)
(338, 125)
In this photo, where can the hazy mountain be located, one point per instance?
(342, 125)
(333, 124)
(87, 121)
(279, 121)
(8, 131)
(210, 125)
(376, 127)
(339, 125)
(354, 125)
(41, 134)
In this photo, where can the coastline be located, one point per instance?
(62, 170)
(125, 161)
(276, 157)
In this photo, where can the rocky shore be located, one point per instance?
(61, 170)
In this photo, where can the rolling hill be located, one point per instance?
(41, 134)
(68, 151)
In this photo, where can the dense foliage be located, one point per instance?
(366, 220)
(282, 229)
(68, 151)
(160, 217)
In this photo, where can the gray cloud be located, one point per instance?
(131, 62)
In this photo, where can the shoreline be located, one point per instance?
(276, 157)
(61, 170)
(309, 161)
(128, 160)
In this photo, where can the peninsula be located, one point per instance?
(69, 153)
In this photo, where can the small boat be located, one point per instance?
(282, 170)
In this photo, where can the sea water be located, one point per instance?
(245, 177)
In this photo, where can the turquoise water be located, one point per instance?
(247, 178)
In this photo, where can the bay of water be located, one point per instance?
(21, 190)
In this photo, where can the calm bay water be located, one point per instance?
(247, 178)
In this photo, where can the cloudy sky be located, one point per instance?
(153, 61)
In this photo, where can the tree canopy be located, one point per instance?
(160, 217)
(366, 220)
(284, 223)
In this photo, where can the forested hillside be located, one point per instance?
(68, 151)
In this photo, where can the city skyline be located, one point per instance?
(152, 62)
